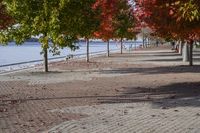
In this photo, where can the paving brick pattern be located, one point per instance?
(22, 111)
(133, 92)
(131, 118)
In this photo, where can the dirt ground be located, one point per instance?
(145, 76)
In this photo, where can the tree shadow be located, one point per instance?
(130, 55)
(44, 73)
(155, 70)
(166, 60)
(156, 52)
(165, 56)
(196, 60)
(168, 55)
(196, 54)
(145, 53)
(168, 96)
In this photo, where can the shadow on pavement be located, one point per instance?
(169, 96)
(155, 70)
(165, 60)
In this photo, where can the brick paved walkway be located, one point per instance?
(145, 91)
(132, 118)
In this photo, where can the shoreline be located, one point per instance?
(15, 67)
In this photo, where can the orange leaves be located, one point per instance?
(108, 10)
(174, 18)
(116, 19)
(5, 19)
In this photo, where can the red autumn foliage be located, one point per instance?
(165, 19)
(108, 9)
(116, 19)
(5, 19)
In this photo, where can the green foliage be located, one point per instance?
(79, 18)
(124, 21)
(5, 19)
(189, 10)
(38, 18)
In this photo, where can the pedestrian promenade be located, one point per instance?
(145, 91)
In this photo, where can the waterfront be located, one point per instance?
(30, 51)
(148, 90)
(14, 57)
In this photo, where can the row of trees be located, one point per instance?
(62, 22)
(172, 19)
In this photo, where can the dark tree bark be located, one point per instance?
(185, 53)
(108, 48)
(45, 50)
(121, 42)
(191, 54)
(87, 47)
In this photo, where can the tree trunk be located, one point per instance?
(143, 45)
(135, 44)
(147, 42)
(45, 50)
(180, 48)
(108, 48)
(191, 54)
(121, 49)
(45, 37)
(185, 53)
(157, 42)
(87, 47)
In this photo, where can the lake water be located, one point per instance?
(30, 51)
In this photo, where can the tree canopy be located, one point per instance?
(58, 21)
(172, 19)
(124, 21)
(38, 18)
(175, 19)
(62, 22)
(5, 19)
(116, 20)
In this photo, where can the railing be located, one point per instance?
(55, 58)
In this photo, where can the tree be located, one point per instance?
(177, 20)
(117, 21)
(81, 20)
(5, 19)
(42, 18)
(124, 22)
(105, 31)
